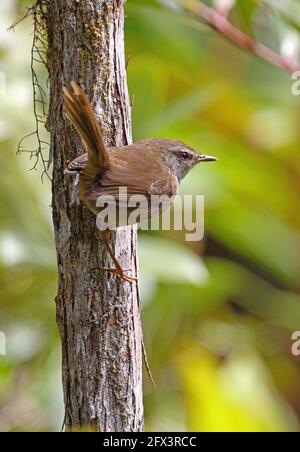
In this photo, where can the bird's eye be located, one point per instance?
(184, 155)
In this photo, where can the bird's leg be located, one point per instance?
(118, 271)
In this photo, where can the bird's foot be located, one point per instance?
(120, 273)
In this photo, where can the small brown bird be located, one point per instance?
(148, 167)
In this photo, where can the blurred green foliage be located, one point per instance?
(218, 315)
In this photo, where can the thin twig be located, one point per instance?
(38, 57)
(221, 24)
(146, 362)
(18, 21)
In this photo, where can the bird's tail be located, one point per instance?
(81, 113)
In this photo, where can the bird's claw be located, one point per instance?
(120, 273)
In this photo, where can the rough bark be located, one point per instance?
(98, 316)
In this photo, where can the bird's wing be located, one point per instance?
(132, 170)
(164, 186)
(82, 116)
(116, 192)
(77, 165)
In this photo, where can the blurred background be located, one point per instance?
(218, 314)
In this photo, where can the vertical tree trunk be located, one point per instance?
(98, 316)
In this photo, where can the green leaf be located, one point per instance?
(169, 262)
(228, 396)
(245, 10)
(288, 12)
(184, 108)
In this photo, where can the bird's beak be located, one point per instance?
(206, 158)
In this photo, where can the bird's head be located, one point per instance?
(179, 157)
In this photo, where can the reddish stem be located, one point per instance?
(221, 24)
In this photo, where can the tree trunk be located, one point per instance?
(98, 315)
